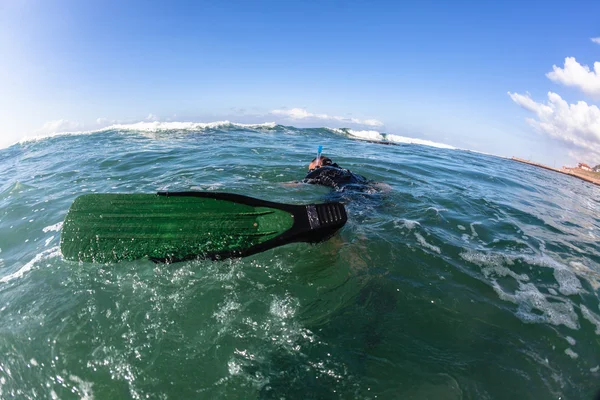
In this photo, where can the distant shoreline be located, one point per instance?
(576, 172)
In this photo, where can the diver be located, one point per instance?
(347, 185)
(323, 171)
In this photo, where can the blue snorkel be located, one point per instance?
(319, 153)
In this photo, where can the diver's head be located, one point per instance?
(319, 162)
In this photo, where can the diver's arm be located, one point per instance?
(291, 183)
(384, 187)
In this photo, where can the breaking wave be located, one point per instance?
(386, 137)
(165, 127)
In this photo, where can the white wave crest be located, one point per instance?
(38, 138)
(151, 126)
(44, 255)
(422, 142)
(381, 137)
(156, 126)
(364, 135)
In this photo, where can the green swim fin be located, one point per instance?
(171, 227)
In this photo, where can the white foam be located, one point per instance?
(566, 278)
(568, 284)
(589, 274)
(44, 255)
(500, 271)
(283, 308)
(84, 388)
(571, 341)
(492, 265)
(53, 228)
(571, 353)
(424, 243)
(422, 142)
(485, 259)
(529, 298)
(208, 187)
(48, 240)
(406, 223)
(592, 317)
(234, 368)
(473, 232)
(226, 310)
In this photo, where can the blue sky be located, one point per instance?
(440, 71)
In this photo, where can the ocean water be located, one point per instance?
(465, 276)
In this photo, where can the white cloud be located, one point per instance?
(577, 75)
(152, 117)
(596, 40)
(104, 122)
(301, 113)
(296, 113)
(59, 125)
(575, 124)
(65, 125)
(372, 122)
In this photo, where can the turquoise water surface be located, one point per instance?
(465, 276)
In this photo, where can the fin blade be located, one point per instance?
(177, 226)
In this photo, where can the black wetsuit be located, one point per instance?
(336, 177)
